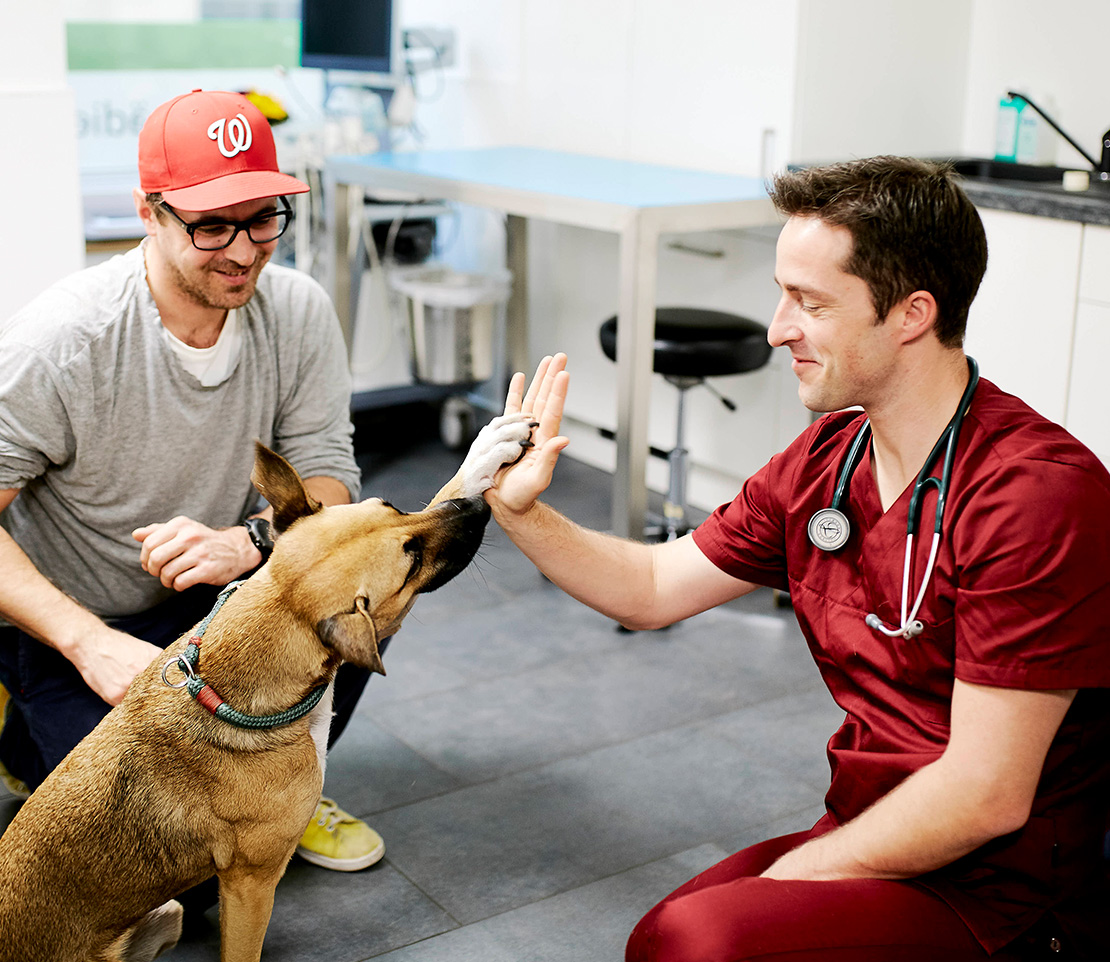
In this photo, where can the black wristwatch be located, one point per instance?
(262, 535)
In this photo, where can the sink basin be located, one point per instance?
(1029, 176)
(983, 169)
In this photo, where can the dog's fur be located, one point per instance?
(163, 795)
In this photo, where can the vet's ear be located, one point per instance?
(354, 635)
(279, 483)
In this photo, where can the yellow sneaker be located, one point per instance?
(337, 840)
(14, 785)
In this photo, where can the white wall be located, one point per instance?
(1057, 52)
(141, 11)
(40, 232)
(906, 63)
(641, 79)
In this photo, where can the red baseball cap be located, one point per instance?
(209, 149)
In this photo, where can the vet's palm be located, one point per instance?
(519, 485)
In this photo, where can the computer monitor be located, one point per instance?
(361, 37)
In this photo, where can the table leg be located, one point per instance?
(635, 334)
(510, 350)
(339, 266)
(516, 314)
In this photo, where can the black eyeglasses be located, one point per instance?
(263, 228)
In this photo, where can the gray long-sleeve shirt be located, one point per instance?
(104, 431)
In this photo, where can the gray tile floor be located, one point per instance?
(541, 779)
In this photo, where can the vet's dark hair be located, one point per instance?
(913, 228)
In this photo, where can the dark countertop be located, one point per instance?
(1025, 189)
(1042, 200)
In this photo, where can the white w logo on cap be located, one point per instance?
(238, 133)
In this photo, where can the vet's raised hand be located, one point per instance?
(181, 553)
(517, 486)
(503, 441)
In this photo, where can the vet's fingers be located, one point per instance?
(515, 398)
(537, 383)
(550, 416)
(551, 375)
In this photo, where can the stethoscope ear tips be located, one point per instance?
(872, 621)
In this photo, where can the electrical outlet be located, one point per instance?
(428, 47)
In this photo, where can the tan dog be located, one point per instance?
(163, 794)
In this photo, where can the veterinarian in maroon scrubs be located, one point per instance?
(968, 803)
(131, 394)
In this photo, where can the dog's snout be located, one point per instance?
(461, 523)
(474, 505)
(463, 518)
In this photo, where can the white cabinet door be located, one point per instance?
(1088, 408)
(1021, 325)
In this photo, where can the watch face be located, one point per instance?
(261, 534)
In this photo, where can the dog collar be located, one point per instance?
(206, 695)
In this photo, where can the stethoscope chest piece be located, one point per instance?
(829, 529)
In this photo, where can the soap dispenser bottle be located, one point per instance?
(1010, 110)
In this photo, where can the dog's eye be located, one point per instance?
(385, 504)
(415, 548)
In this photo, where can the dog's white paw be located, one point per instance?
(503, 441)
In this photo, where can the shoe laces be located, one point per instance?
(329, 815)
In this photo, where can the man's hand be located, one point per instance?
(181, 553)
(519, 485)
(110, 660)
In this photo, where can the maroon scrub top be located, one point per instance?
(1020, 598)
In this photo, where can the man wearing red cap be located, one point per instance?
(130, 396)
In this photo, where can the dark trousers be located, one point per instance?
(52, 708)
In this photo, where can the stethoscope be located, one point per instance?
(829, 529)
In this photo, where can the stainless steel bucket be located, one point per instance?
(453, 319)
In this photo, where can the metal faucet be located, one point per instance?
(1101, 167)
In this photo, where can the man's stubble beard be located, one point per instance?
(208, 295)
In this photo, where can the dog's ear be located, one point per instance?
(281, 486)
(354, 636)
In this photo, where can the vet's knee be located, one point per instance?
(674, 931)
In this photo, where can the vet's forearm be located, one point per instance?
(926, 822)
(982, 787)
(609, 574)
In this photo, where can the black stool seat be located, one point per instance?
(692, 342)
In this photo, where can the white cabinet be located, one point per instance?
(1040, 327)
(1087, 415)
(1021, 325)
